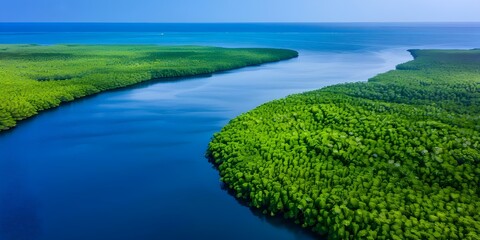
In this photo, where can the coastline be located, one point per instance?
(299, 156)
(173, 75)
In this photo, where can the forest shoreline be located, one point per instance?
(188, 57)
(301, 157)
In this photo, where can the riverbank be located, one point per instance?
(36, 77)
(397, 156)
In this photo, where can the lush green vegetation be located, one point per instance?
(34, 78)
(392, 158)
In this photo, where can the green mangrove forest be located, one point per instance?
(34, 77)
(397, 157)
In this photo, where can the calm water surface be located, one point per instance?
(129, 164)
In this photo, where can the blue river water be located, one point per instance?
(129, 164)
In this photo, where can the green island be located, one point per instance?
(34, 77)
(397, 157)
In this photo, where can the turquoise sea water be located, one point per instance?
(129, 164)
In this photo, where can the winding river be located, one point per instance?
(129, 164)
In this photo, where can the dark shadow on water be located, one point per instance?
(276, 221)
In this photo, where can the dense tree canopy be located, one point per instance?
(392, 158)
(34, 78)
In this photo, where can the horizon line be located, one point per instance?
(249, 22)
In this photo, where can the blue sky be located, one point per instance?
(239, 10)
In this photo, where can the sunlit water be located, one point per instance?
(129, 164)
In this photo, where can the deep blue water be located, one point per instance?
(129, 164)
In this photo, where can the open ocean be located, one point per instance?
(129, 164)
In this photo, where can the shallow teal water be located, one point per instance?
(129, 164)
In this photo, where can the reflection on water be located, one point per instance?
(129, 164)
(277, 221)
